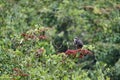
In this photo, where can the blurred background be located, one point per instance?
(95, 22)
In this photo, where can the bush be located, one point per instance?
(35, 34)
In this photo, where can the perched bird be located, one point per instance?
(78, 43)
(86, 56)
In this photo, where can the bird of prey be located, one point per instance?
(78, 43)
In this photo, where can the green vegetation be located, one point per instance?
(35, 34)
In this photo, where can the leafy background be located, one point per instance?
(54, 24)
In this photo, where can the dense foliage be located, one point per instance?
(35, 35)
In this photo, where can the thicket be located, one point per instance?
(35, 34)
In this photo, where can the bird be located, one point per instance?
(90, 56)
(78, 43)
